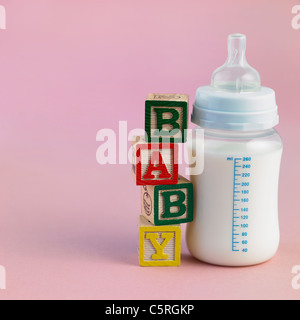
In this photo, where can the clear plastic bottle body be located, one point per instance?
(236, 198)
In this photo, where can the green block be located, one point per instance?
(168, 204)
(166, 117)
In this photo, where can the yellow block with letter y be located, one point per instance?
(159, 245)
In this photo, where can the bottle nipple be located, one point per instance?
(236, 75)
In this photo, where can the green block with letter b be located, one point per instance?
(168, 204)
(166, 117)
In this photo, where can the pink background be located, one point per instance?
(68, 226)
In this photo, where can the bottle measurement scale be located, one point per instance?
(240, 203)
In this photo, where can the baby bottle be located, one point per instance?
(236, 195)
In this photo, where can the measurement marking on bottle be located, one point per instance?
(240, 201)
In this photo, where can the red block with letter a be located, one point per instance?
(155, 163)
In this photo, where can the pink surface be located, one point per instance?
(68, 226)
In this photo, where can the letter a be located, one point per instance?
(160, 166)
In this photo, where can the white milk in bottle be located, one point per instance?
(236, 195)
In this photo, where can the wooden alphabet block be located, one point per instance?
(166, 117)
(159, 245)
(154, 163)
(168, 204)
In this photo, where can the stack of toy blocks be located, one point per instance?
(166, 197)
